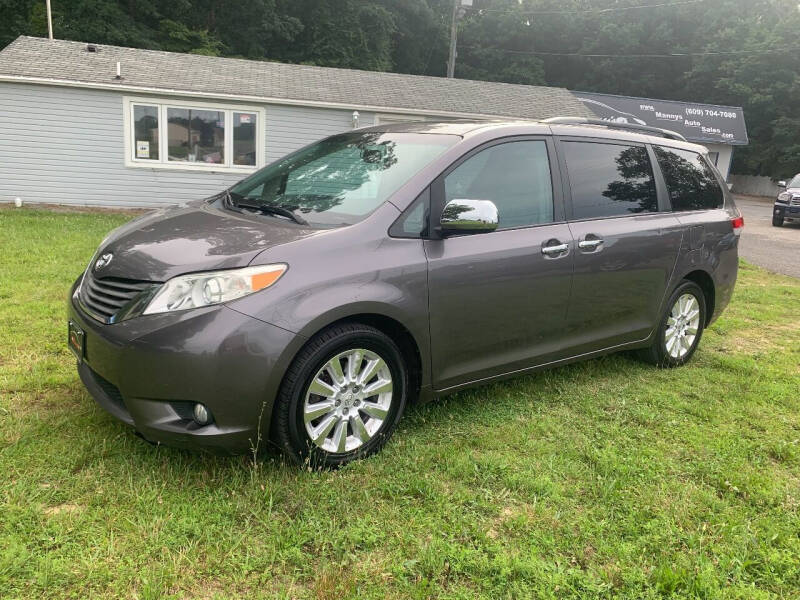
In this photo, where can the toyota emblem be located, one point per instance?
(103, 261)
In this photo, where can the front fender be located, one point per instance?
(330, 279)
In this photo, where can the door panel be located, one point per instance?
(497, 302)
(626, 244)
(620, 284)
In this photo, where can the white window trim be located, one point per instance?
(383, 118)
(163, 104)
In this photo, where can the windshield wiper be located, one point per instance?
(274, 209)
(227, 200)
(268, 209)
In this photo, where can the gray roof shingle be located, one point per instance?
(65, 61)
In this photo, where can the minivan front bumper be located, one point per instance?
(149, 372)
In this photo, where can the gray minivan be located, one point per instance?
(310, 303)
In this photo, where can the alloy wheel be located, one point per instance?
(348, 400)
(683, 324)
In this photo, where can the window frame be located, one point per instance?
(437, 191)
(163, 105)
(662, 198)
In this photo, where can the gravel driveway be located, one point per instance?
(774, 248)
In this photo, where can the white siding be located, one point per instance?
(725, 157)
(65, 145)
(291, 127)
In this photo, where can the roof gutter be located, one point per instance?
(246, 98)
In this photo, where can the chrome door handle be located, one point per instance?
(549, 250)
(589, 244)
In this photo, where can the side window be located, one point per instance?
(515, 176)
(609, 180)
(414, 223)
(690, 181)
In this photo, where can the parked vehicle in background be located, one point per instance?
(314, 300)
(787, 204)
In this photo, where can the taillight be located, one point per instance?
(737, 223)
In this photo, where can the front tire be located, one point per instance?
(680, 328)
(777, 221)
(342, 397)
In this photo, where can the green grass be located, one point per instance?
(603, 479)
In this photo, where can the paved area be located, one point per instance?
(774, 248)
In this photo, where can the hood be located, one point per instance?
(170, 242)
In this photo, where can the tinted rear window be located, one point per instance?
(690, 181)
(609, 180)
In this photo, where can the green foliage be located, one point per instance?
(498, 41)
(179, 38)
(345, 33)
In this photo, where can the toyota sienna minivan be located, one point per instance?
(313, 301)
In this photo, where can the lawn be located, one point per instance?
(603, 479)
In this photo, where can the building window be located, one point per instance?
(196, 136)
(190, 135)
(245, 126)
(145, 128)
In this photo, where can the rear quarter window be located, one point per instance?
(690, 181)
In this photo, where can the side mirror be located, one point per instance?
(782, 184)
(469, 216)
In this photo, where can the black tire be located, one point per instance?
(777, 221)
(658, 353)
(288, 425)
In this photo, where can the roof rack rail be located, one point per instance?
(614, 125)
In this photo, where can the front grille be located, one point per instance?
(795, 201)
(105, 297)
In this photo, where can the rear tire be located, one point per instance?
(680, 328)
(341, 398)
(777, 221)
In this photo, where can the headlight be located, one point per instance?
(784, 196)
(213, 287)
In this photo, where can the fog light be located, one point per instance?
(201, 415)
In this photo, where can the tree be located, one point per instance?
(343, 33)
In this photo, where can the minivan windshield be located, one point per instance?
(341, 179)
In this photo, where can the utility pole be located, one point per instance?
(458, 12)
(451, 61)
(49, 22)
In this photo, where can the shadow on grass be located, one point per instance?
(169, 466)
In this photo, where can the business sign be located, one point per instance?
(696, 122)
